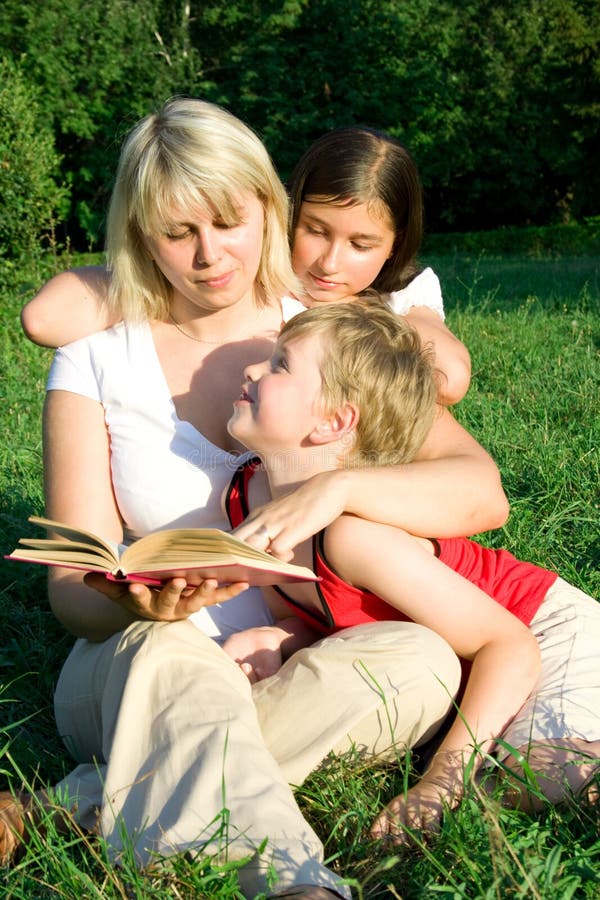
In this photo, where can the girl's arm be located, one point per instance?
(78, 490)
(69, 306)
(504, 653)
(453, 488)
(451, 356)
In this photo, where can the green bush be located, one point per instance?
(30, 198)
(575, 239)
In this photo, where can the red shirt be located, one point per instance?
(518, 586)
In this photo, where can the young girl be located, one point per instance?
(356, 222)
(349, 385)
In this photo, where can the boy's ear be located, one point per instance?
(336, 425)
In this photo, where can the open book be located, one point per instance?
(191, 553)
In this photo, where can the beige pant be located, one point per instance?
(565, 702)
(169, 734)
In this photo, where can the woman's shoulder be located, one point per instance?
(99, 356)
(105, 342)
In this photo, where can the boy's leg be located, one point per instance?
(558, 728)
(380, 687)
(178, 725)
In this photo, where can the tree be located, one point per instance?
(31, 199)
(497, 102)
(100, 66)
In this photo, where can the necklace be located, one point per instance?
(191, 336)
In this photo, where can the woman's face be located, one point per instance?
(210, 264)
(338, 251)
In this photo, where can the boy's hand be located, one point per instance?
(257, 651)
(173, 601)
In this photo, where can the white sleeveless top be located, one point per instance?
(165, 473)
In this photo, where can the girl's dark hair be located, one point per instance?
(356, 165)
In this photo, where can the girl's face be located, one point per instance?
(338, 251)
(211, 264)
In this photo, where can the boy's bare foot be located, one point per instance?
(22, 809)
(13, 815)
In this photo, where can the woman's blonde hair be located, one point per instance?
(374, 359)
(189, 155)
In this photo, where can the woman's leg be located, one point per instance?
(187, 766)
(380, 688)
(79, 796)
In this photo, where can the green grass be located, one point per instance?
(531, 322)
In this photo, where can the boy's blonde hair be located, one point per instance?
(190, 155)
(374, 359)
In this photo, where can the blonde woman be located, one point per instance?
(159, 719)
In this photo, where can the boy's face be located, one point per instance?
(280, 403)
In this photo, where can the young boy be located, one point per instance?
(329, 398)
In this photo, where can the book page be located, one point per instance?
(192, 546)
(64, 551)
(78, 535)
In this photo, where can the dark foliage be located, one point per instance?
(497, 102)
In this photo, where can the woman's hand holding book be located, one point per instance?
(169, 602)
